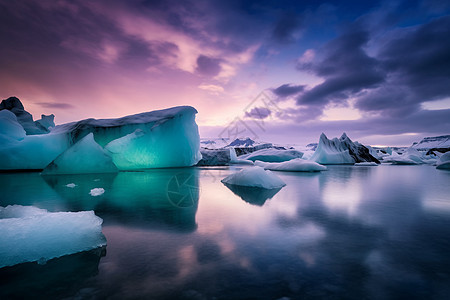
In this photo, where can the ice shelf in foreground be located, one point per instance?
(341, 151)
(272, 155)
(254, 177)
(294, 165)
(32, 234)
(85, 156)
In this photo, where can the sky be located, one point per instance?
(279, 71)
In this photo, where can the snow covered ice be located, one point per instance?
(294, 165)
(85, 156)
(272, 155)
(33, 234)
(254, 177)
(97, 192)
(340, 151)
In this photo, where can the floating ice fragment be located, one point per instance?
(33, 234)
(97, 192)
(254, 177)
(272, 155)
(294, 165)
(71, 185)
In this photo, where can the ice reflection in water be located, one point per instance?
(348, 233)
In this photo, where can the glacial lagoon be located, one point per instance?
(351, 232)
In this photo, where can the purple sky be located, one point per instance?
(281, 71)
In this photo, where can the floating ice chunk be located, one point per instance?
(32, 234)
(294, 165)
(235, 160)
(254, 177)
(272, 155)
(443, 162)
(71, 185)
(340, 151)
(86, 156)
(97, 192)
(366, 163)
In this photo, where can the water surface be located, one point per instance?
(347, 233)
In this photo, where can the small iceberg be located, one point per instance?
(294, 165)
(33, 234)
(254, 177)
(97, 192)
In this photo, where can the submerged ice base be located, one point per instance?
(33, 234)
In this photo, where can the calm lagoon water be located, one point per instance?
(347, 233)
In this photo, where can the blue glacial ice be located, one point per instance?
(156, 139)
(254, 177)
(85, 156)
(294, 165)
(32, 234)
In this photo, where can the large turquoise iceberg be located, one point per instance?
(156, 139)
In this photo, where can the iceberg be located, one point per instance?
(33, 234)
(156, 139)
(341, 151)
(85, 156)
(272, 155)
(410, 157)
(443, 162)
(254, 177)
(294, 165)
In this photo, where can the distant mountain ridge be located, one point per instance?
(434, 142)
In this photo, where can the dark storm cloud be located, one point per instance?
(208, 65)
(347, 70)
(418, 64)
(258, 113)
(286, 28)
(286, 90)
